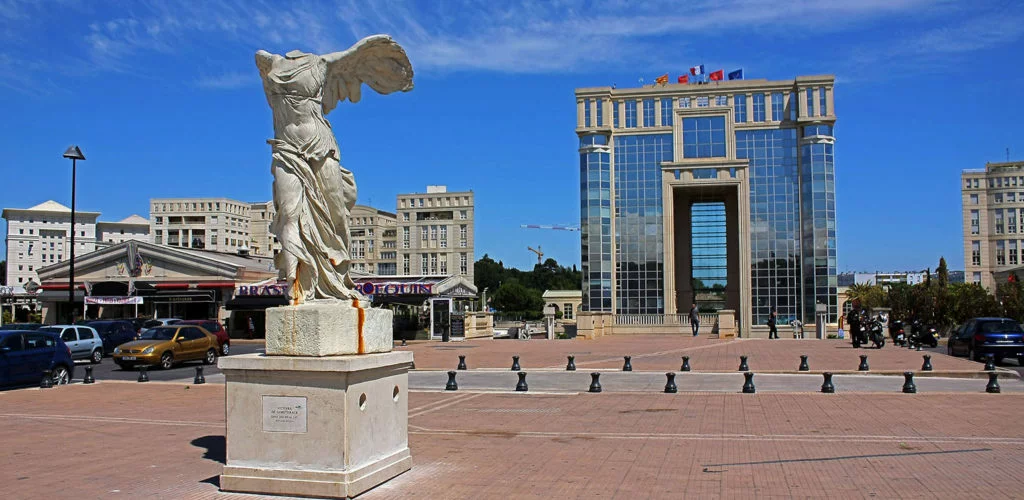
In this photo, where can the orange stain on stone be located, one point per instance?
(362, 319)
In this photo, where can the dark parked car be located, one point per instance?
(113, 332)
(22, 326)
(138, 323)
(980, 337)
(214, 327)
(25, 355)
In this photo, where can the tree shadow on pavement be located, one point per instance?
(215, 448)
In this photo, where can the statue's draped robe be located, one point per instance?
(313, 194)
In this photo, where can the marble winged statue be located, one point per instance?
(313, 193)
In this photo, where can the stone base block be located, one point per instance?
(331, 426)
(332, 328)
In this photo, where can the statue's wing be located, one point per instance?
(376, 61)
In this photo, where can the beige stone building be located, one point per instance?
(216, 224)
(133, 227)
(993, 208)
(39, 236)
(374, 241)
(261, 241)
(724, 189)
(435, 233)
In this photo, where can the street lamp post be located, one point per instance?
(75, 154)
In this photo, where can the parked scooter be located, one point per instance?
(899, 337)
(876, 334)
(921, 335)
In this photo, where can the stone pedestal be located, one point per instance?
(726, 324)
(323, 427)
(328, 328)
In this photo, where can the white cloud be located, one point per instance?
(228, 81)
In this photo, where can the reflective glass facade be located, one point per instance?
(639, 235)
(596, 222)
(818, 214)
(739, 108)
(704, 137)
(648, 112)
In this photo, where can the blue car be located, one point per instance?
(25, 355)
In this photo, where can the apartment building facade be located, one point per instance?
(993, 209)
(374, 241)
(436, 233)
(216, 224)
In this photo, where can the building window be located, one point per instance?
(721, 100)
(444, 236)
(423, 263)
(996, 198)
(974, 199)
(615, 115)
(999, 221)
(739, 108)
(567, 311)
(463, 263)
(463, 230)
(600, 113)
(976, 278)
(1011, 221)
(1011, 197)
(703, 101)
(975, 222)
(433, 263)
(444, 263)
(405, 263)
(1000, 253)
(648, 112)
(463, 214)
(666, 112)
(424, 234)
(586, 112)
(405, 217)
(405, 237)
(433, 232)
(684, 102)
(810, 101)
(1013, 252)
(822, 106)
(778, 106)
(975, 253)
(704, 137)
(630, 114)
(758, 107)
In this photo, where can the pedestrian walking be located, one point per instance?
(250, 329)
(694, 319)
(773, 331)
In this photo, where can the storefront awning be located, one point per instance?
(255, 302)
(109, 300)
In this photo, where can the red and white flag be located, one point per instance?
(697, 70)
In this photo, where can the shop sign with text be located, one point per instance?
(397, 288)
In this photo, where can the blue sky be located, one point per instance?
(165, 100)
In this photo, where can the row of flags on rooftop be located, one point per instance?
(701, 76)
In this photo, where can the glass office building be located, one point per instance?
(717, 194)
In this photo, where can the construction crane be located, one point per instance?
(559, 228)
(539, 253)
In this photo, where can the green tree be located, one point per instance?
(942, 273)
(512, 298)
(868, 295)
(487, 273)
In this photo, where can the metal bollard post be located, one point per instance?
(743, 364)
(595, 382)
(827, 387)
(748, 384)
(670, 385)
(686, 364)
(571, 366)
(908, 385)
(47, 381)
(863, 363)
(993, 383)
(451, 385)
(990, 363)
(927, 366)
(200, 379)
(88, 376)
(143, 375)
(521, 386)
(462, 362)
(626, 367)
(803, 363)
(515, 363)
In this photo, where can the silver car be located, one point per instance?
(83, 341)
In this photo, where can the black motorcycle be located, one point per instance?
(922, 335)
(876, 333)
(899, 336)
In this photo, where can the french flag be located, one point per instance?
(697, 70)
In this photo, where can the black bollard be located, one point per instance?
(88, 376)
(686, 364)
(403, 343)
(462, 362)
(827, 387)
(670, 385)
(993, 383)
(451, 385)
(47, 381)
(200, 379)
(515, 363)
(803, 363)
(990, 364)
(748, 384)
(743, 364)
(918, 347)
(863, 363)
(521, 386)
(571, 366)
(595, 382)
(143, 375)
(927, 366)
(626, 367)
(908, 385)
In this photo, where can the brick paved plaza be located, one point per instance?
(166, 440)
